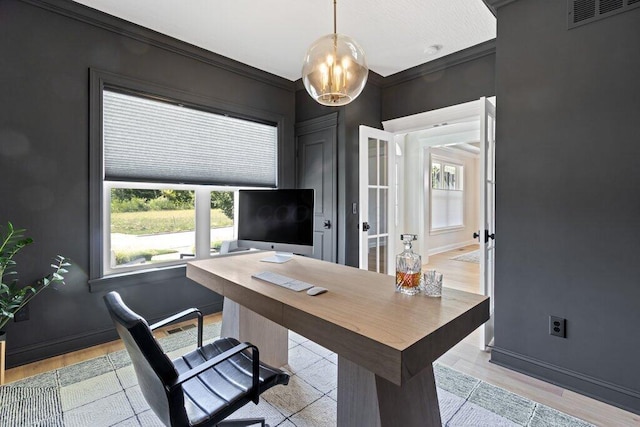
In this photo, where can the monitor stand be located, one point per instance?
(279, 257)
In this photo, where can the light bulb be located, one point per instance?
(335, 71)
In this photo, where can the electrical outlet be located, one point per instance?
(557, 326)
(22, 315)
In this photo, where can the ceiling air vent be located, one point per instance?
(607, 6)
(585, 11)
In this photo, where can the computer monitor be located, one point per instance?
(279, 220)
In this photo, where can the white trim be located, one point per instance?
(463, 149)
(202, 214)
(452, 247)
(365, 133)
(453, 114)
(444, 230)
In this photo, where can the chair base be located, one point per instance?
(242, 422)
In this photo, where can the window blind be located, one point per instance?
(146, 140)
(447, 208)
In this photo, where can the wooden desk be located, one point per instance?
(385, 341)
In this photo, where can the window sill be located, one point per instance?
(139, 277)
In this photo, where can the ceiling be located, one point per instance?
(273, 35)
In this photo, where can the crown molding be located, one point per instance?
(119, 26)
(456, 58)
(494, 5)
(375, 78)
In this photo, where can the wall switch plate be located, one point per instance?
(354, 208)
(557, 326)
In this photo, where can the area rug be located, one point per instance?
(473, 256)
(104, 392)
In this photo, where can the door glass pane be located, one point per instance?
(490, 148)
(384, 195)
(373, 211)
(372, 254)
(384, 157)
(373, 161)
(492, 207)
(151, 226)
(384, 253)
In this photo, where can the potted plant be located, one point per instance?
(12, 297)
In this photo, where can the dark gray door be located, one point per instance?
(316, 164)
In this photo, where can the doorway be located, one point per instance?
(462, 125)
(442, 168)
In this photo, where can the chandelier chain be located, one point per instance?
(335, 20)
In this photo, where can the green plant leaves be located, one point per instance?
(12, 298)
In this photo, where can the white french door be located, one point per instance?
(487, 220)
(377, 200)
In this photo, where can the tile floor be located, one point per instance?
(104, 392)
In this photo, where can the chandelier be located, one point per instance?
(334, 70)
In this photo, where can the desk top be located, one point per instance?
(361, 317)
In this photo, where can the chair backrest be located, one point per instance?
(153, 368)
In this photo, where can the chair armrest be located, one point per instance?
(191, 373)
(179, 316)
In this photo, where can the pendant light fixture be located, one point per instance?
(334, 70)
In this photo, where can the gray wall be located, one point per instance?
(568, 211)
(44, 154)
(461, 77)
(567, 206)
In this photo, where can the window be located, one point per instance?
(447, 195)
(169, 178)
(158, 224)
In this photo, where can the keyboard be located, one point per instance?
(284, 281)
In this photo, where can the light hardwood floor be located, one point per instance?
(465, 357)
(67, 359)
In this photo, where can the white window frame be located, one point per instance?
(202, 221)
(445, 161)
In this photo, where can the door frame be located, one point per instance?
(486, 231)
(365, 133)
(451, 115)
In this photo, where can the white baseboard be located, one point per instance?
(451, 247)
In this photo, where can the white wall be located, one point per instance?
(443, 241)
(414, 192)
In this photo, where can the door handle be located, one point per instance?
(487, 236)
(327, 224)
(365, 226)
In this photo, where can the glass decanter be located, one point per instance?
(408, 267)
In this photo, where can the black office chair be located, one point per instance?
(201, 388)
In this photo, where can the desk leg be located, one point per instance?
(366, 400)
(271, 339)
